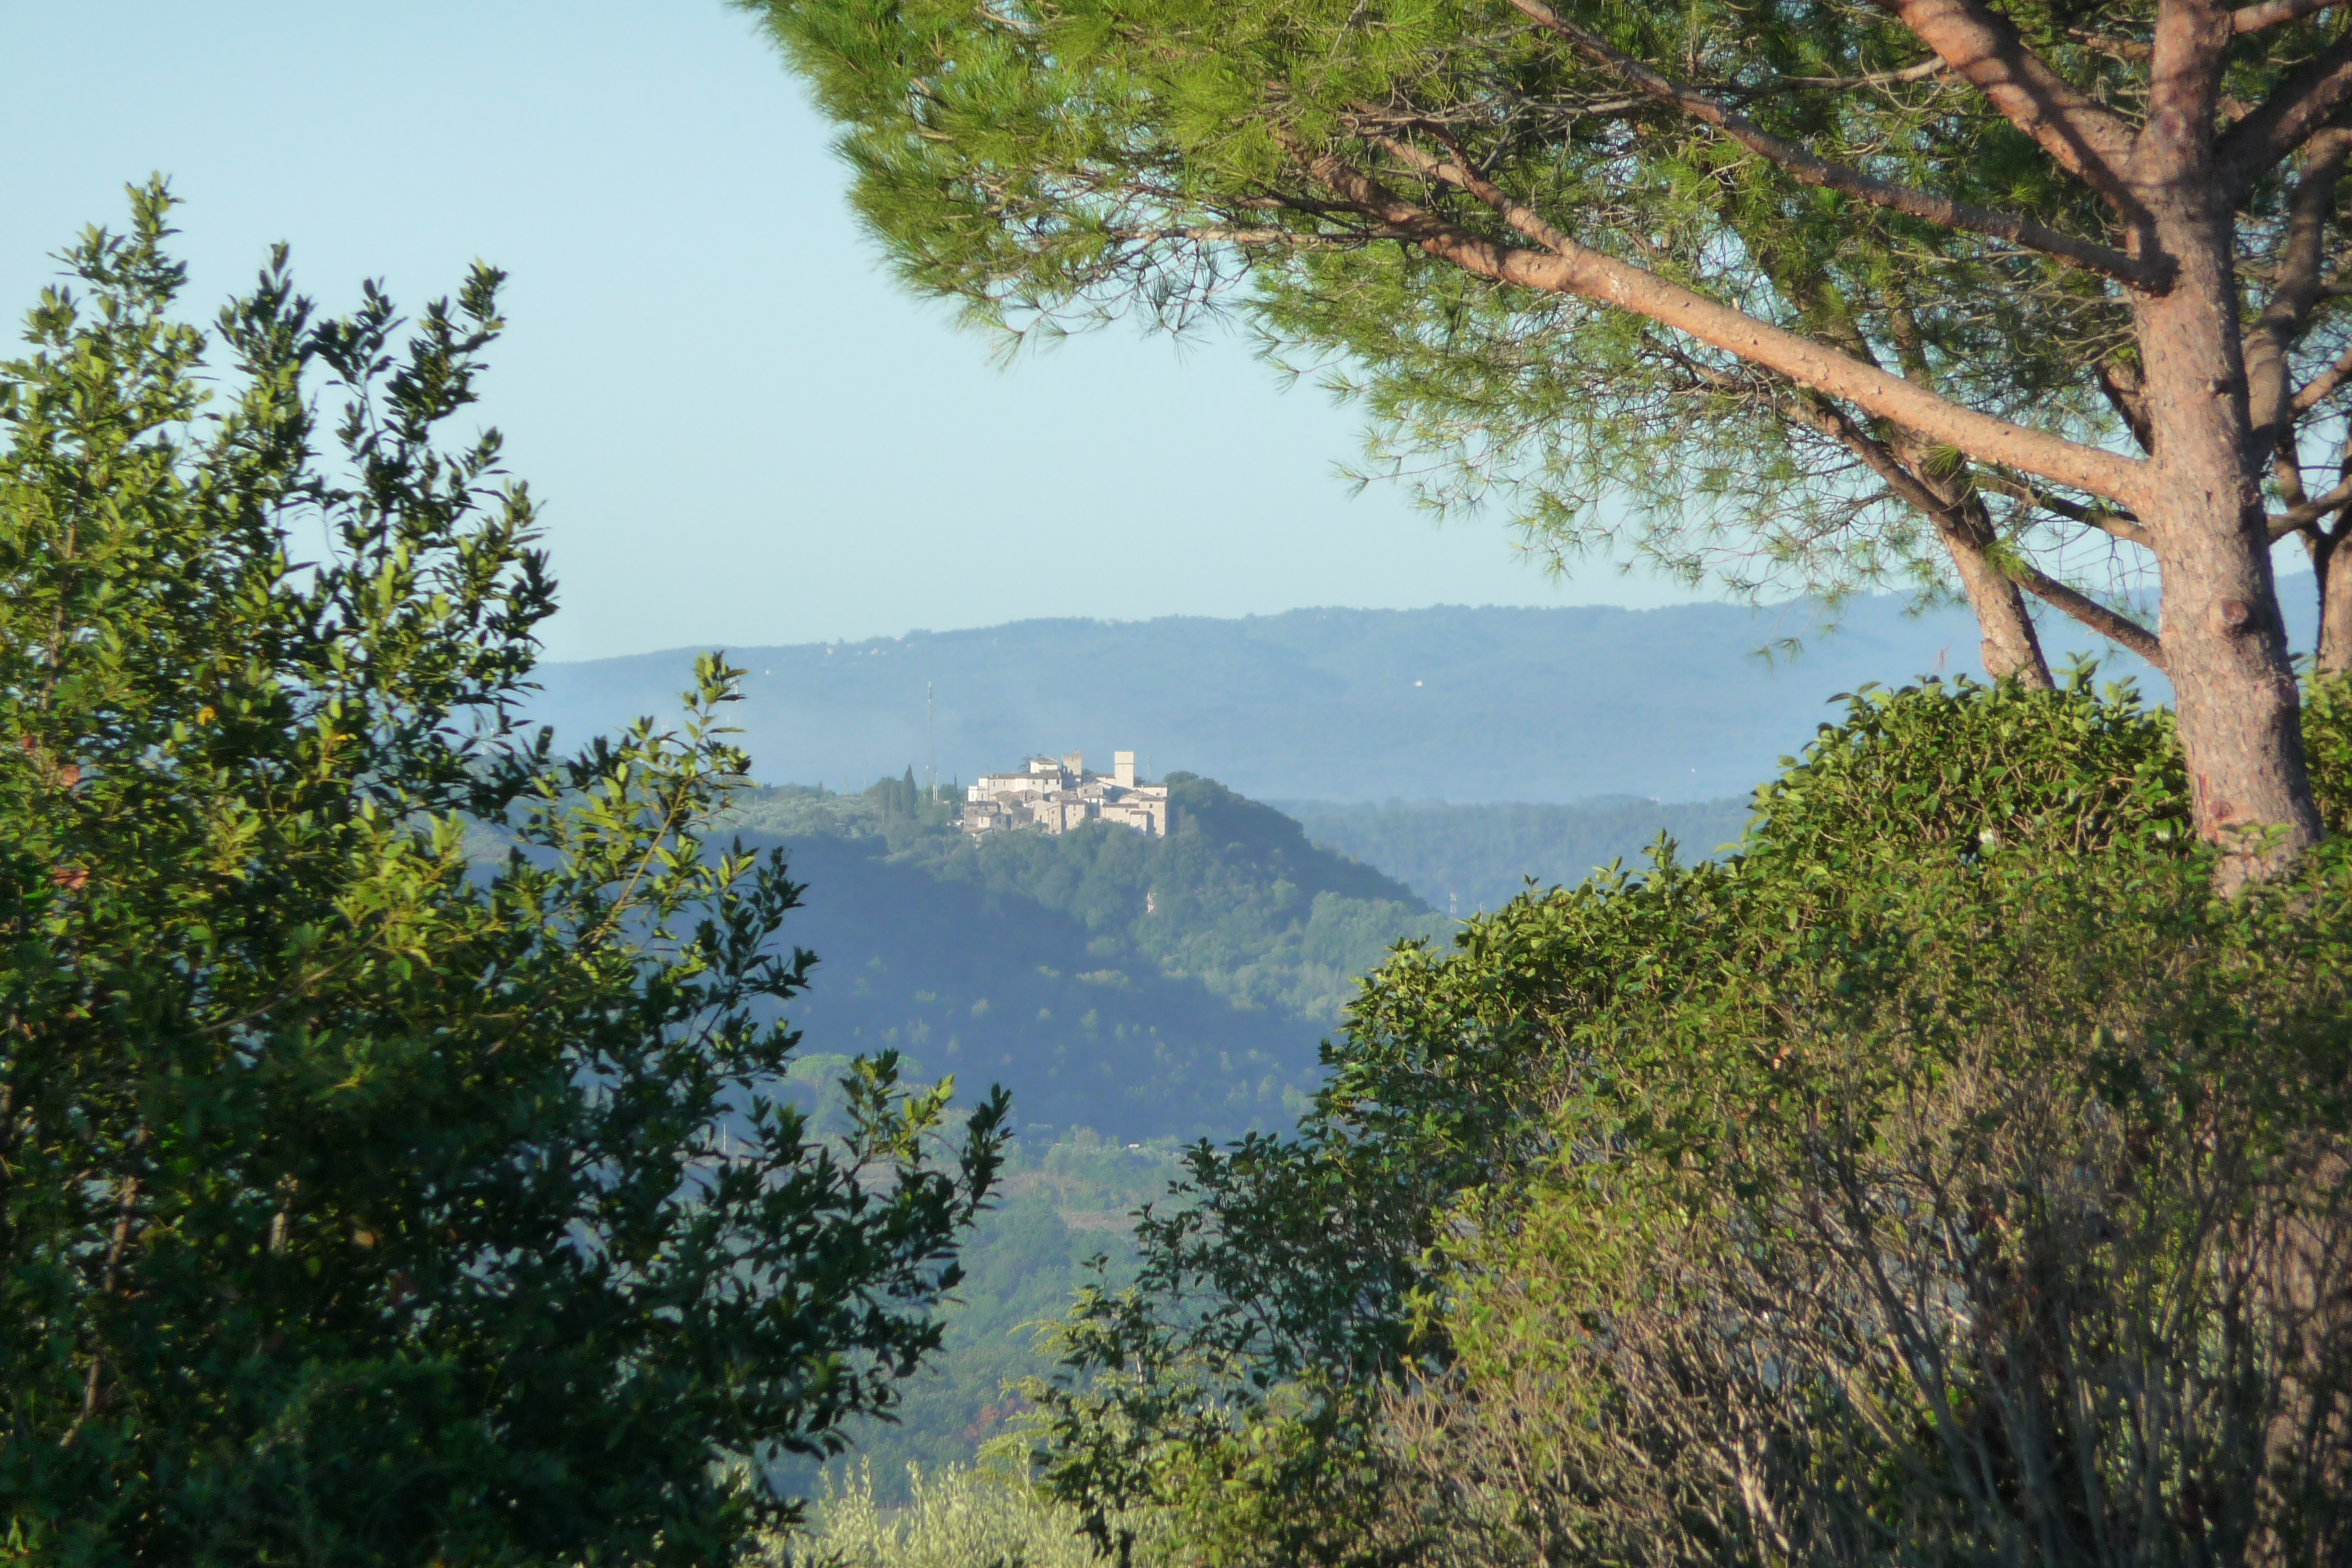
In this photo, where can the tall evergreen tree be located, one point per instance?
(2033, 272)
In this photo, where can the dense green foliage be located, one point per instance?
(2017, 1247)
(359, 1204)
(2327, 736)
(1463, 859)
(1638, 1226)
(1057, 1209)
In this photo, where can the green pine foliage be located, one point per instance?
(1050, 167)
(360, 1203)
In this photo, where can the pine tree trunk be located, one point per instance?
(2010, 647)
(2233, 684)
(2007, 644)
(2335, 581)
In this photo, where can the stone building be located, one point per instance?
(1058, 795)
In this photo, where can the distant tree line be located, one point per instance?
(1464, 857)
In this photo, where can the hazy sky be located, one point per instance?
(743, 432)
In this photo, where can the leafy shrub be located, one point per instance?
(1964, 769)
(959, 1517)
(2027, 1249)
(2328, 744)
(358, 1205)
(1585, 1251)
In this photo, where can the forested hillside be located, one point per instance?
(1142, 988)
(1061, 1204)
(1463, 859)
(1132, 992)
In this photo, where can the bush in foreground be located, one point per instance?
(355, 1205)
(957, 1517)
(2029, 1244)
(1949, 1177)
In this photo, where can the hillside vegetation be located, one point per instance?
(1940, 1179)
(1466, 857)
(1142, 988)
(1059, 1207)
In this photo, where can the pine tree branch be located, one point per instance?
(1806, 168)
(2088, 139)
(1923, 71)
(2313, 393)
(1905, 486)
(2118, 628)
(2303, 105)
(2120, 385)
(2116, 524)
(2275, 14)
(2296, 517)
(2298, 282)
(1563, 266)
(1224, 234)
(2113, 44)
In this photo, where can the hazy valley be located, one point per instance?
(1134, 994)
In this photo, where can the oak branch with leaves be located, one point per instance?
(1813, 294)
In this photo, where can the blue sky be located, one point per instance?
(743, 431)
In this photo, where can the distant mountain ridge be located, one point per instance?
(1335, 705)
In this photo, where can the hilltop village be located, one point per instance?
(1058, 795)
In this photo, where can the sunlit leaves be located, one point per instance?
(360, 1201)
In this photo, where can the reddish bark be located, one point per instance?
(2196, 500)
(1565, 267)
(2009, 646)
(2334, 576)
(2233, 684)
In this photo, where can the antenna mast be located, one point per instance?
(931, 732)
